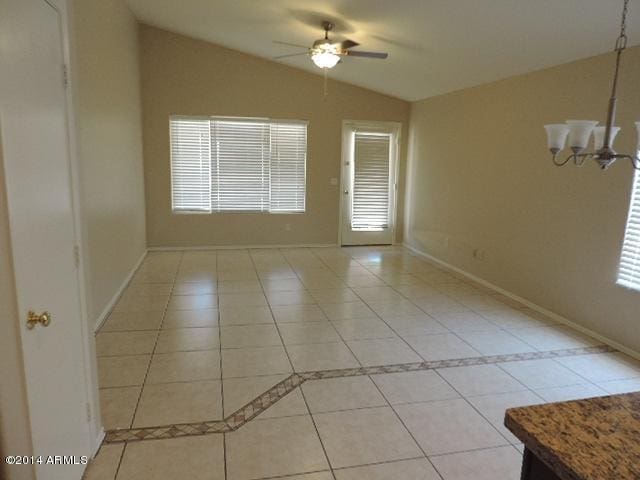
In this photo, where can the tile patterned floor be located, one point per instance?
(327, 363)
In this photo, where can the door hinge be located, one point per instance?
(65, 75)
(88, 412)
(76, 255)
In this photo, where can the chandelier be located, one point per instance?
(579, 132)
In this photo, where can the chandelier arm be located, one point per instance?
(561, 163)
(635, 160)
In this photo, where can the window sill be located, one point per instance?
(628, 286)
(238, 212)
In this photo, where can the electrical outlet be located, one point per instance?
(287, 227)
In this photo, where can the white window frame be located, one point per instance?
(629, 265)
(211, 210)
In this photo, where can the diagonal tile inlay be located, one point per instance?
(261, 403)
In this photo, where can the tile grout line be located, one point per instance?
(410, 300)
(293, 378)
(454, 333)
(331, 321)
(304, 397)
(473, 407)
(155, 345)
(266, 299)
(456, 300)
(219, 324)
(315, 427)
(324, 450)
(375, 313)
(404, 425)
(325, 315)
(124, 448)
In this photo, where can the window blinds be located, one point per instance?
(629, 273)
(238, 165)
(371, 177)
(190, 165)
(288, 168)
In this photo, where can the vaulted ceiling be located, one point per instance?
(435, 46)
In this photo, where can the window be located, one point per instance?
(237, 165)
(629, 273)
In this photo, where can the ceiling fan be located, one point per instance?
(326, 54)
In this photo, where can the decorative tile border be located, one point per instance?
(264, 401)
(458, 362)
(254, 408)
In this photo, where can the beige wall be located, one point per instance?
(190, 77)
(481, 177)
(15, 436)
(110, 144)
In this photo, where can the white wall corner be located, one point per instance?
(107, 309)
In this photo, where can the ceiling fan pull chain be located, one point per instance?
(326, 90)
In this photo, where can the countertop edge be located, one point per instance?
(543, 453)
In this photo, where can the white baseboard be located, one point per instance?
(107, 309)
(241, 247)
(97, 442)
(558, 318)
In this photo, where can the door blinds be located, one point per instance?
(371, 178)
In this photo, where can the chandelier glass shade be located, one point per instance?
(578, 133)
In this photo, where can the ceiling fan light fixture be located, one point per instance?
(325, 59)
(325, 55)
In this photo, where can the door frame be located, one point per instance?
(96, 430)
(94, 422)
(395, 128)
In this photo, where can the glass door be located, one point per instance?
(369, 162)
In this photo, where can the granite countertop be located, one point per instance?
(591, 439)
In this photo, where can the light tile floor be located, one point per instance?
(199, 334)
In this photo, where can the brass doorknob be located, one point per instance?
(33, 319)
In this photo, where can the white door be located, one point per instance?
(369, 162)
(35, 143)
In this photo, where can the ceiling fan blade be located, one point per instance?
(356, 53)
(306, 47)
(290, 55)
(346, 44)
